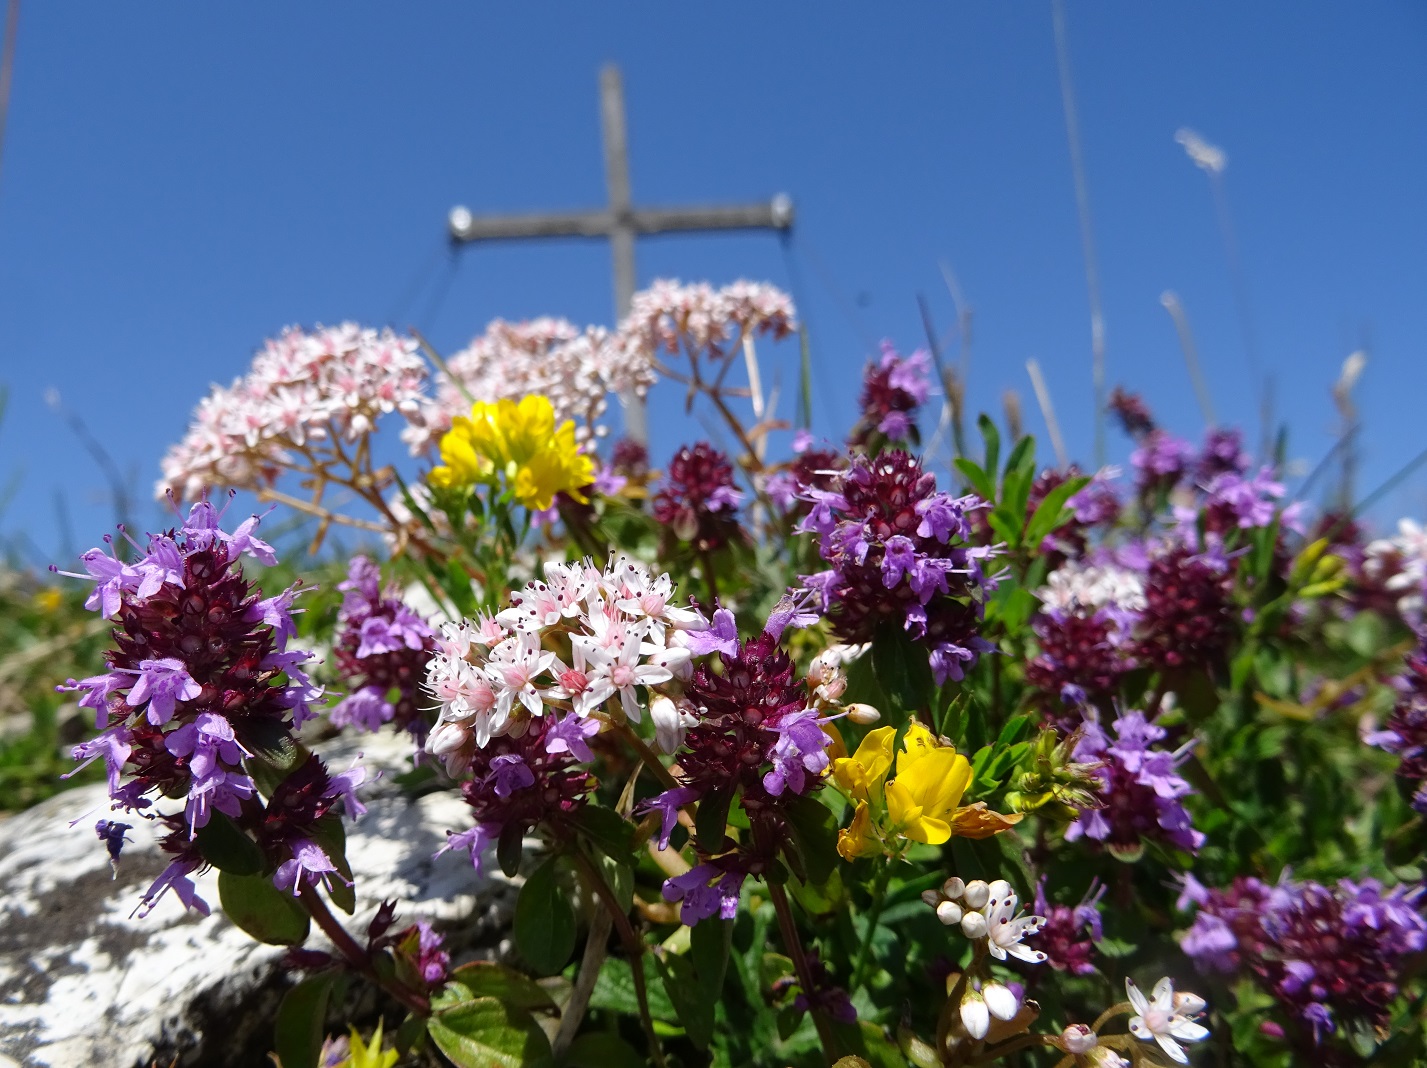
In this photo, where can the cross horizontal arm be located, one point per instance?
(777, 214)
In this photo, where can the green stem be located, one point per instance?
(355, 955)
(864, 951)
(633, 945)
(800, 965)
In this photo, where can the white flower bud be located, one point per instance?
(1001, 1001)
(953, 888)
(862, 714)
(976, 893)
(931, 897)
(1077, 1038)
(973, 925)
(1187, 1004)
(670, 723)
(446, 738)
(949, 913)
(975, 1017)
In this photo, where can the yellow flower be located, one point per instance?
(857, 838)
(861, 774)
(924, 796)
(516, 443)
(369, 1056)
(922, 803)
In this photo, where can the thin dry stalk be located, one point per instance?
(1033, 368)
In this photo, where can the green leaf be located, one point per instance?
(458, 585)
(814, 833)
(487, 1033)
(411, 1034)
(711, 820)
(709, 942)
(510, 848)
(620, 876)
(227, 848)
(601, 1049)
(544, 921)
(615, 992)
(605, 829)
(332, 837)
(276, 754)
(1051, 512)
(993, 444)
(301, 1022)
(258, 907)
(1022, 460)
(1016, 728)
(487, 979)
(902, 669)
(978, 479)
(696, 1012)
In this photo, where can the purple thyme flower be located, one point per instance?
(698, 502)
(893, 389)
(1329, 956)
(1406, 730)
(309, 866)
(382, 646)
(898, 555)
(706, 890)
(1141, 788)
(801, 749)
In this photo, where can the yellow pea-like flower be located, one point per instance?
(922, 800)
(857, 838)
(861, 774)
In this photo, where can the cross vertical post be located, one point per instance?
(621, 222)
(621, 233)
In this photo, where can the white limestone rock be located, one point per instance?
(83, 982)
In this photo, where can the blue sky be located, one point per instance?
(180, 181)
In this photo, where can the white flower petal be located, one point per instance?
(1138, 1000)
(1173, 1048)
(975, 1017)
(1188, 1030)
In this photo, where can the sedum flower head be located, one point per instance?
(1159, 1018)
(518, 445)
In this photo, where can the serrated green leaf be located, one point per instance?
(544, 921)
(254, 904)
(814, 833)
(487, 1033)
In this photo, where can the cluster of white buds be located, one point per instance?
(987, 910)
(983, 1000)
(828, 682)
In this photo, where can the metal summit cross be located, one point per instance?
(621, 221)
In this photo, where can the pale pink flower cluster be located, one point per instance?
(1399, 563)
(577, 369)
(576, 641)
(701, 321)
(303, 389)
